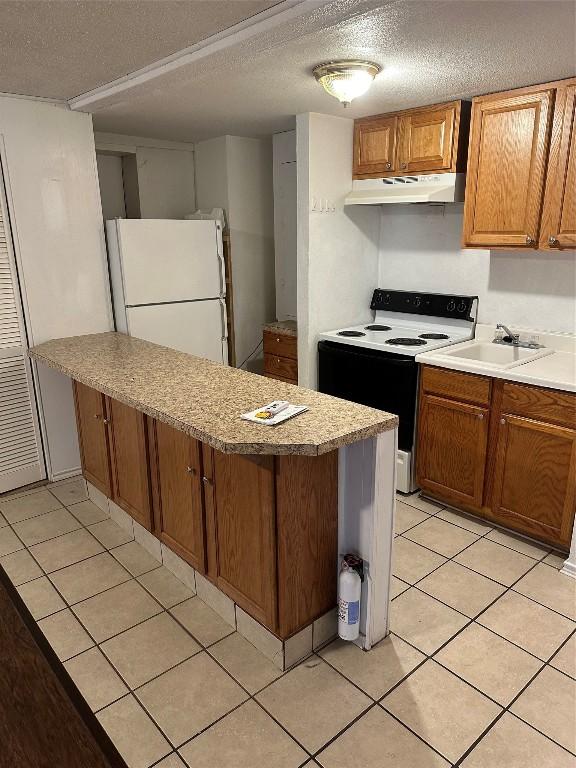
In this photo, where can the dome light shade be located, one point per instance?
(346, 80)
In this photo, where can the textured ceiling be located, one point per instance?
(431, 51)
(61, 48)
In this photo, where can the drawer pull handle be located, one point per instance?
(480, 416)
(502, 421)
(529, 240)
(388, 166)
(191, 470)
(552, 240)
(106, 421)
(206, 480)
(278, 340)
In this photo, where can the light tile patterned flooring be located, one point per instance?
(479, 670)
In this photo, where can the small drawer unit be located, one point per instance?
(281, 355)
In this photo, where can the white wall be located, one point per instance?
(420, 250)
(53, 197)
(285, 224)
(163, 178)
(235, 173)
(337, 250)
(165, 182)
(111, 186)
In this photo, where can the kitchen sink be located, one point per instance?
(497, 355)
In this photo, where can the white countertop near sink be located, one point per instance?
(556, 370)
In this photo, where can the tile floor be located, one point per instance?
(479, 670)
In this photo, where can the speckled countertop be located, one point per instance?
(205, 399)
(287, 327)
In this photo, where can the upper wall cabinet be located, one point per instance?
(415, 141)
(558, 228)
(511, 162)
(375, 146)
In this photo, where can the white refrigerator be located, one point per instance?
(168, 283)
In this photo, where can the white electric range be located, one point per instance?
(374, 363)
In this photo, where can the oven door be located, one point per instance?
(383, 380)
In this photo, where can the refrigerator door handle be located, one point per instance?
(220, 251)
(224, 331)
(224, 319)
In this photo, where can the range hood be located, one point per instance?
(432, 188)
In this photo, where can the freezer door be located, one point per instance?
(169, 260)
(196, 327)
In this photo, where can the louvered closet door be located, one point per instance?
(21, 458)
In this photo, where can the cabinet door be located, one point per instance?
(426, 140)
(535, 478)
(451, 457)
(245, 526)
(375, 147)
(506, 166)
(179, 513)
(129, 460)
(93, 436)
(559, 215)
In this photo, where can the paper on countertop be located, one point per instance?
(288, 413)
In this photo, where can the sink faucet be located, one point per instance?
(515, 337)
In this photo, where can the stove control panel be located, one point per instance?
(434, 304)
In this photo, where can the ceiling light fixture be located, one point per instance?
(346, 80)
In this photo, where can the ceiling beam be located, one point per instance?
(284, 11)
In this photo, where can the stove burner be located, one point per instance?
(406, 342)
(351, 333)
(434, 336)
(378, 328)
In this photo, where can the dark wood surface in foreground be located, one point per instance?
(40, 726)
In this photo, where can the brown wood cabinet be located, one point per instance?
(274, 523)
(264, 529)
(129, 461)
(281, 356)
(510, 163)
(176, 475)
(535, 478)
(92, 420)
(375, 146)
(559, 215)
(511, 457)
(245, 518)
(429, 139)
(452, 449)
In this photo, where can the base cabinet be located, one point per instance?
(129, 461)
(245, 527)
(263, 529)
(452, 449)
(92, 424)
(176, 475)
(509, 456)
(535, 478)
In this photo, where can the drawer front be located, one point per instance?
(455, 385)
(281, 378)
(281, 345)
(545, 405)
(280, 366)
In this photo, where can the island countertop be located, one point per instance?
(205, 399)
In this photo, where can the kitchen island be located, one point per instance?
(261, 513)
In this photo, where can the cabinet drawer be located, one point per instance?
(281, 378)
(543, 404)
(455, 385)
(280, 366)
(281, 345)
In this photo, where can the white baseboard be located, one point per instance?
(65, 474)
(569, 569)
